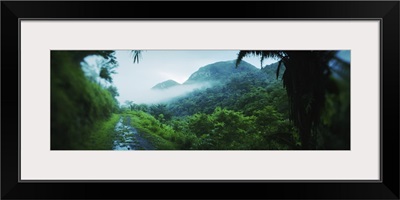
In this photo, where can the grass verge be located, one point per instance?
(103, 134)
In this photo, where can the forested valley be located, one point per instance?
(287, 105)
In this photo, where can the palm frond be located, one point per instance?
(136, 55)
(262, 54)
(277, 70)
(261, 62)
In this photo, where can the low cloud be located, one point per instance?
(154, 96)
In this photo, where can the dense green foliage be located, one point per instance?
(249, 111)
(307, 80)
(160, 135)
(246, 93)
(232, 130)
(102, 134)
(245, 109)
(77, 104)
(223, 129)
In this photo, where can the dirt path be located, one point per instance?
(128, 138)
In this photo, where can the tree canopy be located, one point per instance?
(306, 80)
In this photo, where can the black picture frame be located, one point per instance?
(13, 11)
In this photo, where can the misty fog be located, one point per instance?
(135, 80)
(154, 96)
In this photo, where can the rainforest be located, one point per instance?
(200, 100)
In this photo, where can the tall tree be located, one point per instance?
(306, 80)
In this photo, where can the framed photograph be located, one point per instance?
(210, 98)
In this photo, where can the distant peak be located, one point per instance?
(170, 81)
(165, 85)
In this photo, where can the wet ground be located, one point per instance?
(128, 138)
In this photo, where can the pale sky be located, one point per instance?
(134, 80)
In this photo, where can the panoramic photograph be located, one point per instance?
(124, 100)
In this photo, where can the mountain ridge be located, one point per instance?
(220, 71)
